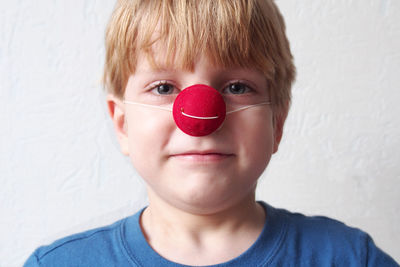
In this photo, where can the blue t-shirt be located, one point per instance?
(287, 239)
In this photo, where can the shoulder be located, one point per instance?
(320, 241)
(317, 229)
(90, 247)
(312, 232)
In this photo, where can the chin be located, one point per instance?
(206, 201)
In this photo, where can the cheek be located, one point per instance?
(259, 148)
(148, 134)
(254, 135)
(262, 134)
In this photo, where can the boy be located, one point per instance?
(231, 61)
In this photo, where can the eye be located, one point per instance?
(164, 89)
(236, 88)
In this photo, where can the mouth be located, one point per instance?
(202, 156)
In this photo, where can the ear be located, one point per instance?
(116, 110)
(280, 116)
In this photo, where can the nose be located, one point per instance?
(199, 110)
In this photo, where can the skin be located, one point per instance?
(202, 207)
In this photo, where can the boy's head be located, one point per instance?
(242, 33)
(155, 49)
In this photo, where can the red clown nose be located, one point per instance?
(199, 110)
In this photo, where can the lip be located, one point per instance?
(202, 156)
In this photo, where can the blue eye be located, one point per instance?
(164, 89)
(236, 89)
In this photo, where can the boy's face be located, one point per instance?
(197, 174)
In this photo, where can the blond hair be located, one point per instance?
(243, 33)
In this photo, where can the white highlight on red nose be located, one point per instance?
(200, 118)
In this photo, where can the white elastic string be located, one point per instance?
(246, 107)
(195, 117)
(147, 106)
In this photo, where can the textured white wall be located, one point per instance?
(60, 167)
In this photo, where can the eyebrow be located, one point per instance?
(219, 73)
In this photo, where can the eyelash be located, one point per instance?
(160, 83)
(223, 91)
(241, 83)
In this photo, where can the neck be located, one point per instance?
(227, 232)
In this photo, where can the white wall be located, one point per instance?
(60, 167)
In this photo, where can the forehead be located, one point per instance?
(202, 66)
(158, 59)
